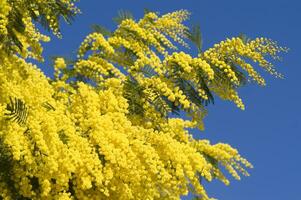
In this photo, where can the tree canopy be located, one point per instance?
(110, 124)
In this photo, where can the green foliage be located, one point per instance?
(147, 10)
(133, 93)
(161, 105)
(148, 71)
(195, 36)
(242, 78)
(122, 15)
(48, 106)
(204, 86)
(244, 38)
(63, 137)
(100, 29)
(100, 155)
(17, 111)
(189, 90)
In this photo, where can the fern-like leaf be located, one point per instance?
(147, 10)
(100, 29)
(48, 106)
(195, 36)
(191, 93)
(161, 106)
(148, 71)
(122, 15)
(208, 93)
(244, 38)
(133, 93)
(17, 111)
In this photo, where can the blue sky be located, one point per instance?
(268, 132)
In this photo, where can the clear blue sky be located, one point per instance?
(268, 133)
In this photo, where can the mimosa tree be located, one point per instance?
(110, 124)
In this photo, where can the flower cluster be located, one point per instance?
(229, 55)
(88, 148)
(17, 30)
(4, 11)
(101, 132)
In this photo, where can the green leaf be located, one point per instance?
(195, 36)
(207, 92)
(211, 160)
(244, 38)
(48, 106)
(100, 29)
(146, 10)
(63, 137)
(148, 71)
(240, 75)
(133, 93)
(101, 156)
(160, 105)
(122, 15)
(17, 111)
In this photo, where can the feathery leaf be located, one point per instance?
(17, 111)
(195, 36)
(122, 15)
(100, 29)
